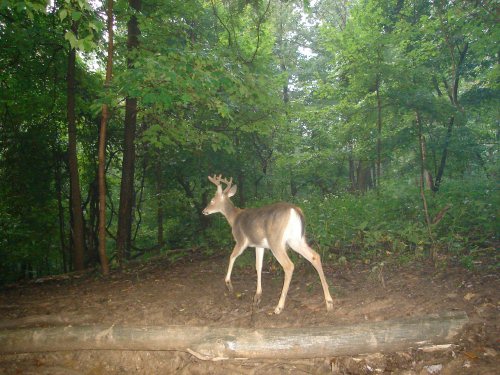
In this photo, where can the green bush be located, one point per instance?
(391, 220)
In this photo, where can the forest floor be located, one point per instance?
(193, 293)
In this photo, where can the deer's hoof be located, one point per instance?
(329, 305)
(278, 310)
(229, 286)
(256, 299)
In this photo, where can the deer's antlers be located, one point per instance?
(217, 180)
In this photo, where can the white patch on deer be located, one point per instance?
(262, 243)
(293, 230)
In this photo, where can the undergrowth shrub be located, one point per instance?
(390, 221)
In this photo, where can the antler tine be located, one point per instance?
(228, 183)
(217, 180)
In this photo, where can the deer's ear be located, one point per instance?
(232, 191)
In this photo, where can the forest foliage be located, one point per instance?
(380, 118)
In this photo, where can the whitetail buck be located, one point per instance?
(270, 227)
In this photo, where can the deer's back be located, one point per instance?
(266, 225)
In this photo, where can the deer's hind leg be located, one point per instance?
(301, 247)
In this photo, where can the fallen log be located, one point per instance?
(216, 343)
(45, 320)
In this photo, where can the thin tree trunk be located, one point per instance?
(363, 176)
(71, 242)
(379, 132)
(422, 174)
(76, 198)
(444, 155)
(159, 198)
(283, 68)
(124, 235)
(139, 200)
(93, 223)
(452, 91)
(102, 191)
(102, 148)
(127, 182)
(352, 175)
(62, 234)
(428, 184)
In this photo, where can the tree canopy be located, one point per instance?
(380, 118)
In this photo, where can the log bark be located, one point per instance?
(216, 343)
(45, 320)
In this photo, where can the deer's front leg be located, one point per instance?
(259, 256)
(238, 249)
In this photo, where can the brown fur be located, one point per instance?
(257, 224)
(265, 227)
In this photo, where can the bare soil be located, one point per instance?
(194, 294)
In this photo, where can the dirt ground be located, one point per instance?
(193, 294)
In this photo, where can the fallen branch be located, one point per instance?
(216, 343)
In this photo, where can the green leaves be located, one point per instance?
(63, 13)
(71, 38)
(226, 89)
(78, 15)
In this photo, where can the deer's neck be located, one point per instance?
(230, 212)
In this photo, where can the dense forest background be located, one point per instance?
(380, 118)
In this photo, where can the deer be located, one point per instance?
(273, 227)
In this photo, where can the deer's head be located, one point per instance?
(221, 198)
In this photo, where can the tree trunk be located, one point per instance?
(124, 235)
(215, 343)
(93, 223)
(102, 148)
(76, 198)
(282, 10)
(421, 146)
(427, 176)
(60, 209)
(127, 182)
(363, 176)
(71, 242)
(453, 95)
(352, 173)
(428, 180)
(379, 133)
(444, 155)
(102, 191)
(159, 198)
